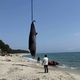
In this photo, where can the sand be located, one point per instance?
(16, 68)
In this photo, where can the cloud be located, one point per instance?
(77, 34)
(70, 49)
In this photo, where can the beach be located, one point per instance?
(15, 67)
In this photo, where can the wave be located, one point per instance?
(73, 67)
(30, 59)
(66, 67)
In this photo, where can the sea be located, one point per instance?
(67, 60)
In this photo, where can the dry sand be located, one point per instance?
(17, 68)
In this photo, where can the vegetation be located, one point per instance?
(6, 50)
(19, 51)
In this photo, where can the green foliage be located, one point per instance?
(5, 49)
(19, 51)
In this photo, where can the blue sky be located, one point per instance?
(57, 24)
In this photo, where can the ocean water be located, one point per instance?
(66, 60)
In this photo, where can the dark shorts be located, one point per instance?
(45, 66)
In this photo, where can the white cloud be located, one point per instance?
(71, 49)
(77, 34)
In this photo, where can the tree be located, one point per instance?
(2, 47)
(5, 49)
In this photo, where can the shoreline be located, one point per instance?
(62, 67)
(15, 67)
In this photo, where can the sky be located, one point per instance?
(57, 24)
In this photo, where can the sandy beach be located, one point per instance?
(16, 68)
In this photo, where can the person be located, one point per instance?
(38, 60)
(45, 63)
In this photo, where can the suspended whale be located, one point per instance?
(32, 40)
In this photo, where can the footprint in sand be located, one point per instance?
(3, 79)
(13, 70)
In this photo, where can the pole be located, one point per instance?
(31, 10)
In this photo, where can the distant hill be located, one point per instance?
(6, 49)
(19, 51)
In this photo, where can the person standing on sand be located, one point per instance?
(45, 63)
(38, 60)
